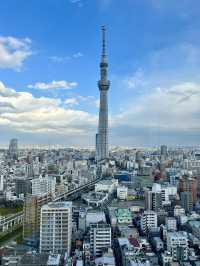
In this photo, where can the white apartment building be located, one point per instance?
(122, 192)
(177, 244)
(43, 185)
(100, 237)
(171, 223)
(149, 221)
(56, 227)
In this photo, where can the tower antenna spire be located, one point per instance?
(103, 28)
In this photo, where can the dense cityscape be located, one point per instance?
(103, 206)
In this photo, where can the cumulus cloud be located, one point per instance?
(13, 52)
(6, 92)
(165, 112)
(22, 112)
(59, 84)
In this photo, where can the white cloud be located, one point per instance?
(61, 84)
(77, 55)
(78, 2)
(63, 59)
(136, 80)
(71, 101)
(176, 108)
(23, 113)
(13, 52)
(6, 92)
(89, 100)
(58, 59)
(167, 113)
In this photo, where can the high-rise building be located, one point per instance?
(156, 201)
(163, 150)
(188, 184)
(148, 199)
(153, 199)
(103, 84)
(13, 149)
(186, 201)
(177, 244)
(56, 228)
(100, 237)
(31, 221)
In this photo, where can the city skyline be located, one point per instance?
(49, 70)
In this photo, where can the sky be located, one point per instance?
(49, 68)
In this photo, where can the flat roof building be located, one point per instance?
(56, 228)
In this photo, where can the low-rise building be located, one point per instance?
(171, 223)
(123, 216)
(107, 186)
(122, 192)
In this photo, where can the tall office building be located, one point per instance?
(163, 150)
(13, 149)
(103, 84)
(153, 199)
(188, 184)
(156, 201)
(100, 237)
(56, 228)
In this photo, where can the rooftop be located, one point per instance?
(195, 223)
(58, 205)
(122, 212)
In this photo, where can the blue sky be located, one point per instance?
(49, 66)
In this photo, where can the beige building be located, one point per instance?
(31, 223)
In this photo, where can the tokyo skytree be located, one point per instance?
(103, 84)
